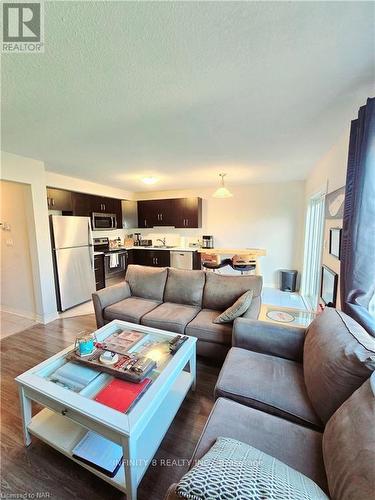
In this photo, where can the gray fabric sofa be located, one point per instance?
(179, 301)
(305, 397)
(299, 375)
(341, 460)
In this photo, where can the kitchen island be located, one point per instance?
(253, 253)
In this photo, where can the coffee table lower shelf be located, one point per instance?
(62, 433)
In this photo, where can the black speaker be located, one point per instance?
(288, 280)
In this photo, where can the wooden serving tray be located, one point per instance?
(110, 369)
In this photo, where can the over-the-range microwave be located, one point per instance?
(101, 222)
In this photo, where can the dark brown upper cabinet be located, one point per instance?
(59, 199)
(85, 204)
(177, 212)
(81, 204)
(189, 212)
(147, 213)
(103, 204)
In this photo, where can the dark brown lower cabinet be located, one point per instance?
(99, 271)
(154, 258)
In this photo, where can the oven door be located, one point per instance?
(102, 222)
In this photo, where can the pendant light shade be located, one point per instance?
(222, 191)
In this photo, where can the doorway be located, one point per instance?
(313, 251)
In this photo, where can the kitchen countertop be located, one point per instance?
(171, 249)
(177, 249)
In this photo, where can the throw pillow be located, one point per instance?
(232, 469)
(237, 309)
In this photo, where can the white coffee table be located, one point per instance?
(67, 415)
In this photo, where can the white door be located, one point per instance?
(75, 275)
(313, 251)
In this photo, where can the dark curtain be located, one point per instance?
(357, 274)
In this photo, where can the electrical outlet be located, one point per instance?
(9, 242)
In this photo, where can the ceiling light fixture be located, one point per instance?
(149, 180)
(222, 191)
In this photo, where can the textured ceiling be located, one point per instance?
(184, 90)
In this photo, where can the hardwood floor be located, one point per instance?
(41, 471)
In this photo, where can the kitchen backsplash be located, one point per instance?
(171, 236)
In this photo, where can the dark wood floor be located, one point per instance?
(44, 472)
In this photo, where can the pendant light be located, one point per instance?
(222, 191)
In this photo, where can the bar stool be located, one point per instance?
(242, 263)
(213, 261)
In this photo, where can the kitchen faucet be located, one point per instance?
(162, 240)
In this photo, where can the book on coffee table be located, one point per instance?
(99, 452)
(121, 394)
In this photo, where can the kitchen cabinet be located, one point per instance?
(99, 271)
(85, 204)
(103, 204)
(147, 213)
(177, 212)
(189, 212)
(81, 204)
(59, 199)
(154, 258)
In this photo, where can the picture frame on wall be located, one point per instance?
(334, 205)
(328, 286)
(335, 242)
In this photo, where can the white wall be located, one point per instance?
(82, 186)
(31, 172)
(329, 174)
(268, 216)
(330, 171)
(16, 277)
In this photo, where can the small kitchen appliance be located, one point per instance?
(207, 241)
(103, 222)
(137, 240)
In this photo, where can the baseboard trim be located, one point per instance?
(38, 318)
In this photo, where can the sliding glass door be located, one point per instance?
(313, 251)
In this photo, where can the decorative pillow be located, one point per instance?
(237, 309)
(349, 446)
(338, 356)
(231, 469)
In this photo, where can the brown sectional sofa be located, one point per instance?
(179, 301)
(305, 397)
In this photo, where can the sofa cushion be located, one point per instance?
(184, 287)
(203, 327)
(237, 309)
(233, 469)
(268, 383)
(339, 355)
(221, 291)
(131, 309)
(170, 317)
(147, 282)
(349, 446)
(297, 446)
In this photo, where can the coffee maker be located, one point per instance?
(137, 240)
(207, 241)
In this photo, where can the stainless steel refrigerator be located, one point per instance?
(73, 260)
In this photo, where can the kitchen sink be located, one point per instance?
(163, 246)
